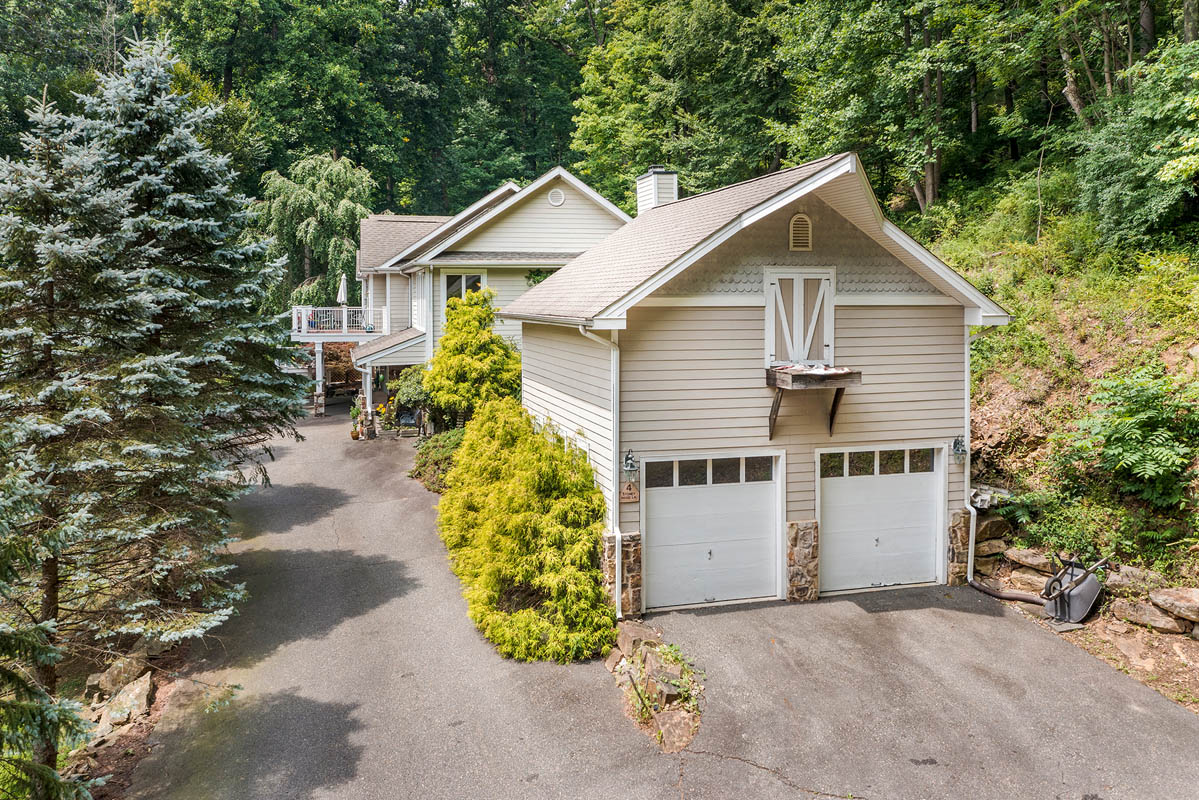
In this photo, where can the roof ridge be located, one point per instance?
(752, 180)
(411, 217)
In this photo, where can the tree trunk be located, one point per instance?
(1190, 20)
(1148, 27)
(974, 100)
(1108, 54)
(45, 752)
(1071, 89)
(307, 262)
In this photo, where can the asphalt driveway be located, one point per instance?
(363, 678)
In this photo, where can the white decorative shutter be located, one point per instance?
(799, 326)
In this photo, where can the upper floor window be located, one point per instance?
(799, 317)
(457, 285)
(801, 232)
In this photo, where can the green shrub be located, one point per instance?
(435, 457)
(473, 364)
(408, 387)
(522, 518)
(1144, 437)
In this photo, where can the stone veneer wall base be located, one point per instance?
(630, 568)
(803, 560)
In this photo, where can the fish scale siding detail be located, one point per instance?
(863, 267)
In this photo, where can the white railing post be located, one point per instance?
(345, 320)
(386, 320)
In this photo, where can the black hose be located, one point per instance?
(1019, 597)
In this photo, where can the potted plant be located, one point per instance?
(355, 412)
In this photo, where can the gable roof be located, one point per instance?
(385, 344)
(598, 287)
(451, 224)
(497, 209)
(381, 236)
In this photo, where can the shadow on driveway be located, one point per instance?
(290, 746)
(298, 595)
(280, 509)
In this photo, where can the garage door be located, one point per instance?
(879, 518)
(711, 530)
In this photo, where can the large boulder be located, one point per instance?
(991, 547)
(1026, 580)
(1181, 602)
(1132, 581)
(1030, 558)
(1149, 615)
(120, 673)
(148, 647)
(986, 566)
(131, 702)
(992, 526)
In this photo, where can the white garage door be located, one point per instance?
(711, 530)
(879, 518)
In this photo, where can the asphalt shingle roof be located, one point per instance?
(381, 236)
(384, 342)
(651, 241)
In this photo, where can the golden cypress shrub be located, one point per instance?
(523, 519)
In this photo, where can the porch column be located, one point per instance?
(318, 397)
(368, 388)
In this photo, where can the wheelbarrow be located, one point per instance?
(1068, 596)
(1071, 594)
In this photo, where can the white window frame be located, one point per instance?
(769, 289)
(482, 273)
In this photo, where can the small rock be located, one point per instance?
(987, 566)
(1118, 627)
(1134, 581)
(1149, 615)
(1181, 602)
(148, 647)
(102, 729)
(631, 635)
(614, 658)
(990, 547)
(676, 728)
(93, 682)
(1025, 580)
(992, 526)
(664, 692)
(1195, 632)
(131, 702)
(1031, 559)
(122, 671)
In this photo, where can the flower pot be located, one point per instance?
(354, 434)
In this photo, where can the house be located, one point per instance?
(772, 382)
(409, 265)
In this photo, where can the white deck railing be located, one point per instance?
(348, 320)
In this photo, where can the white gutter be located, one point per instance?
(614, 511)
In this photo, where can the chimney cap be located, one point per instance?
(658, 169)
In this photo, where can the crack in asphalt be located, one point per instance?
(779, 776)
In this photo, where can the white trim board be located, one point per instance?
(741, 299)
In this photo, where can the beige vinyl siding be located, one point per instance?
(692, 380)
(508, 283)
(401, 312)
(533, 225)
(566, 378)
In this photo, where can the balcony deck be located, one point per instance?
(338, 323)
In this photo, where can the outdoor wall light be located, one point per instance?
(959, 450)
(629, 466)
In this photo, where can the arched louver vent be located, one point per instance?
(801, 232)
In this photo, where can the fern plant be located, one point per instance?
(1144, 436)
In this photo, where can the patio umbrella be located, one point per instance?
(341, 291)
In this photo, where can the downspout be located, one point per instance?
(614, 511)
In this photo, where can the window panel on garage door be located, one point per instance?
(710, 530)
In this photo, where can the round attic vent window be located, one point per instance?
(557, 197)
